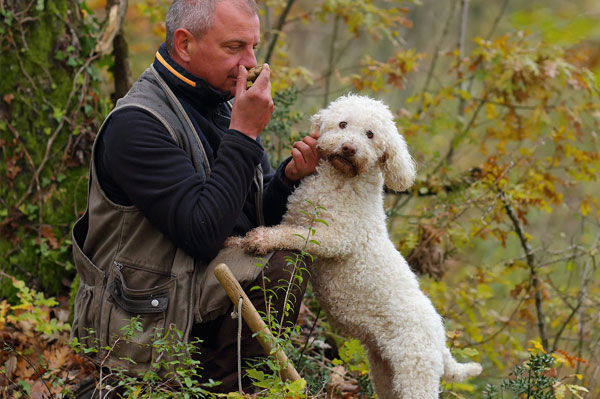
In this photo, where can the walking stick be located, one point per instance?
(255, 322)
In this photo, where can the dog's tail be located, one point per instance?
(454, 371)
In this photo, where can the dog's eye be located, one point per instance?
(370, 134)
(343, 125)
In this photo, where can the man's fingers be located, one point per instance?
(305, 158)
(298, 158)
(311, 142)
(264, 79)
(307, 153)
(240, 84)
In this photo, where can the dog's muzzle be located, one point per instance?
(344, 161)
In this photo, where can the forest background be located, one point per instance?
(498, 101)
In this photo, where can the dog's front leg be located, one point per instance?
(262, 240)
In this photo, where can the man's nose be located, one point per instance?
(248, 59)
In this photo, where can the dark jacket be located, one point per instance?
(140, 164)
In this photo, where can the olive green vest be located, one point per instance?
(130, 269)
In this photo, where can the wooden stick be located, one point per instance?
(255, 322)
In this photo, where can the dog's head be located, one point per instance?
(358, 133)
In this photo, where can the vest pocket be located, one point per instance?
(140, 293)
(88, 299)
(85, 314)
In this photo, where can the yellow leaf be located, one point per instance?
(537, 346)
(491, 111)
(4, 306)
(23, 306)
(585, 208)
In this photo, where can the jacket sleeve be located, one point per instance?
(277, 190)
(159, 179)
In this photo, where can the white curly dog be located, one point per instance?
(361, 280)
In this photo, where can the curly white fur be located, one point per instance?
(361, 280)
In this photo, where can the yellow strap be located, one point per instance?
(173, 71)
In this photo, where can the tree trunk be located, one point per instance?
(48, 112)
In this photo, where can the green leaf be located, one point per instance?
(255, 374)
(58, 114)
(297, 386)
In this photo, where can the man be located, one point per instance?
(174, 172)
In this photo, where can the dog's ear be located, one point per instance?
(398, 167)
(316, 121)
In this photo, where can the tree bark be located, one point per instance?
(48, 110)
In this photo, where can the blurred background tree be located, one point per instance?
(499, 103)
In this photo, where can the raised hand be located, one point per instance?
(252, 108)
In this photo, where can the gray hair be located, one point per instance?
(196, 16)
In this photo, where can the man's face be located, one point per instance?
(230, 42)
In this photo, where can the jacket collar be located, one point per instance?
(196, 89)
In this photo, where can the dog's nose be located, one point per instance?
(348, 149)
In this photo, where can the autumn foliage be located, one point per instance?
(501, 110)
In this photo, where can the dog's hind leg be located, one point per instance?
(416, 371)
(381, 373)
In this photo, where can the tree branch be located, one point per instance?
(518, 227)
(436, 52)
(280, 24)
(330, 61)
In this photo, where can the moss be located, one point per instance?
(38, 76)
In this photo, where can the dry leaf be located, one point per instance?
(10, 365)
(8, 98)
(48, 234)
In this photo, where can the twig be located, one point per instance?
(580, 298)
(504, 325)
(491, 33)
(56, 132)
(330, 60)
(461, 47)
(515, 106)
(289, 288)
(457, 138)
(312, 328)
(11, 349)
(18, 138)
(395, 207)
(436, 52)
(280, 24)
(518, 227)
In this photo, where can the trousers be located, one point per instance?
(218, 349)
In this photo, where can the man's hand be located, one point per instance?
(305, 158)
(252, 108)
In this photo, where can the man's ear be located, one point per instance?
(182, 39)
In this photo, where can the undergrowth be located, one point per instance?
(39, 360)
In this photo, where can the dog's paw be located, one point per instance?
(234, 241)
(256, 241)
